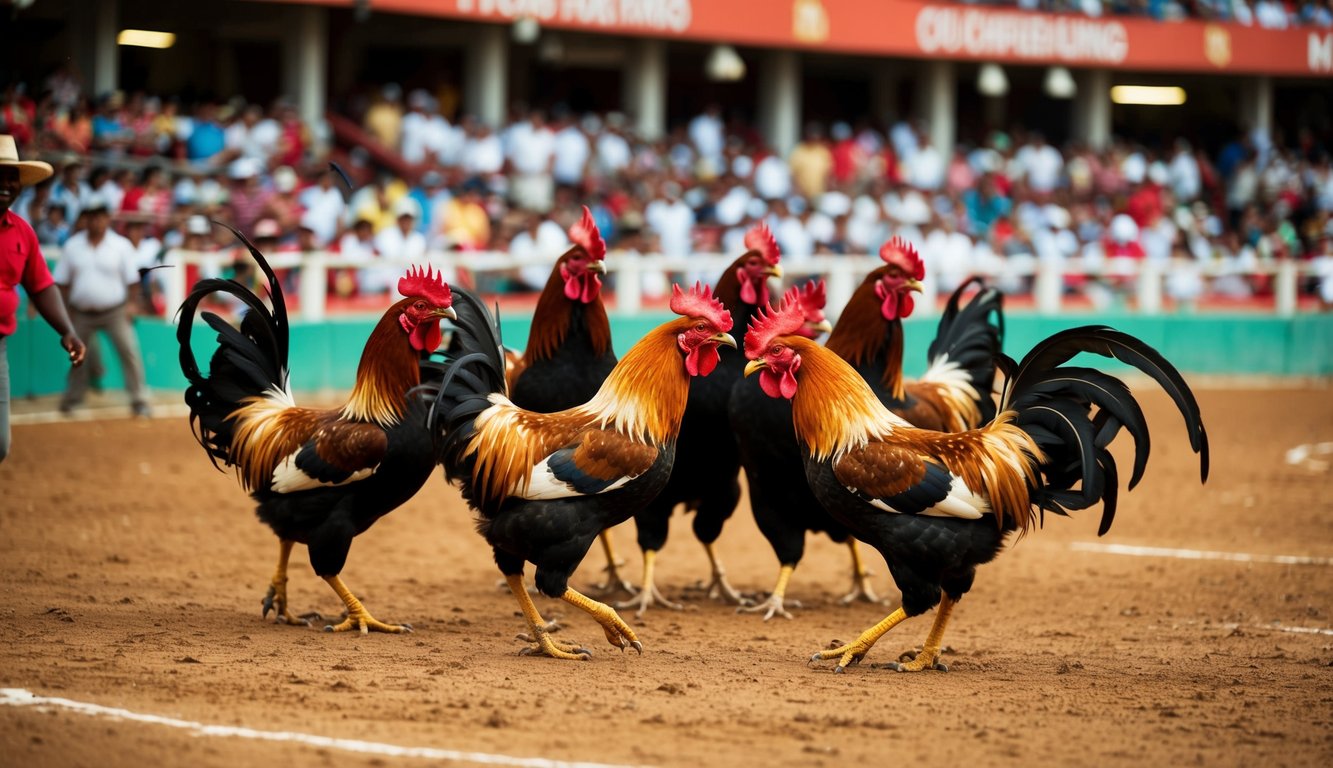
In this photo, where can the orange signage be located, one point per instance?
(915, 29)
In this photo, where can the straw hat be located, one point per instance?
(30, 171)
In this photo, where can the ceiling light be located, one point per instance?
(724, 64)
(1151, 95)
(526, 30)
(1060, 84)
(144, 38)
(991, 80)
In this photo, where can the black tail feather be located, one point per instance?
(1073, 413)
(970, 337)
(248, 361)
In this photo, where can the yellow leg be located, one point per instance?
(541, 636)
(357, 615)
(861, 589)
(617, 631)
(718, 587)
(775, 603)
(648, 592)
(929, 658)
(614, 581)
(276, 599)
(852, 653)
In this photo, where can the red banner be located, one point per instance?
(911, 29)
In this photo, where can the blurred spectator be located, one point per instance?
(532, 154)
(811, 163)
(384, 119)
(324, 205)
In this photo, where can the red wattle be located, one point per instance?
(701, 360)
(426, 337)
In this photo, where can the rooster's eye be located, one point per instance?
(775, 350)
(419, 305)
(700, 328)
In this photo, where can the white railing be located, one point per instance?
(843, 274)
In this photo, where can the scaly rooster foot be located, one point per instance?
(914, 661)
(543, 645)
(615, 583)
(847, 655)
(363, 621)
(774, 605)
(720, 589)
(276, 601)
(618, 633)
(649, 596)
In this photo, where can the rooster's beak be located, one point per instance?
(913, 285)
(724, 338)
(774, 271)
(596, 267)
(754, 365)
(446, 312)
(823, 326)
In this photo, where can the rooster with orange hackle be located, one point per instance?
(937, 505)
(546, 484)
(320, 476)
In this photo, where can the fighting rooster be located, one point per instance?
(706, 476)
(937, 505)
(569, 351)
(320, 477)
(545, 485)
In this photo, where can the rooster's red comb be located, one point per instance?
(769, 323)
(426, 284)
(900, 253)
(760, 240)
(585, 235)
(699, 302)
(813, 295)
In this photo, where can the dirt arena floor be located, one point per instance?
(133, 572)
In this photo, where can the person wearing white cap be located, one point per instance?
(22, 263)
(99, 274)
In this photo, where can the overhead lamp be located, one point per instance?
(144, 38)
(724, 64)
(526, 29)
(991, 80)
(1059, 83)
(1148, 95)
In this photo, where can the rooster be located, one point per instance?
(937, 505)
(954, 394)
(569, 351)
(706, 476)
(320, 477)
(545, 485)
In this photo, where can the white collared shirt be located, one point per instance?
(98, 276)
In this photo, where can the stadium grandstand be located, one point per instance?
(1138, 153)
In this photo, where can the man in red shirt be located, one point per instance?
(21, 263)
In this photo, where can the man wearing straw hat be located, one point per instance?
(21, 263)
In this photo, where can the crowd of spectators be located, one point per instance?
(1270, 14)
(1004, 203)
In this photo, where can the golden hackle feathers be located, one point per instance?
(700, 302)
(835, 411)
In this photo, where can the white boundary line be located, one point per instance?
(1196, 554)
(18, 697)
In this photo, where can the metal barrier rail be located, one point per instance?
(843, 274)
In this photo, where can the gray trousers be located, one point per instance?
(4, 399)
(116, 323)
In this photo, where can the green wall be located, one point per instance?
(325, 355)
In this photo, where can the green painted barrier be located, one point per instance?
(325, 355)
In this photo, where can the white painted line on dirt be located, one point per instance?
(18, 697)
(1196, 554)
(1284, 628)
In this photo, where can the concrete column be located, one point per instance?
(486, 75)
(645, 87)
(305, 62)
(780, 100)
(1256, 104)
(105, 76)
(1092, 108)
(937, 102)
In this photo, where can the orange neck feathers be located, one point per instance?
(388, 370)
(645, 394)
(861, 335)
(834, 409)
(554, 314)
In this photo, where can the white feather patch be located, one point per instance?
(543, 484)
(289, 478)
(961, 503)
